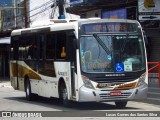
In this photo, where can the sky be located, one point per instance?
(5, 3)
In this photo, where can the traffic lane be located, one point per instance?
(18, 101)
(15, 100)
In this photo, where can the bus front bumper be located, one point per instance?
(90, 95)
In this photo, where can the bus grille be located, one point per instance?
(106, 96)
(111, 80)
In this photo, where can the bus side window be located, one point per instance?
(41, 46)
(50, 46)
(21, 48)
(61, 46)
(14, 48)
(30, 51)
(30, 47)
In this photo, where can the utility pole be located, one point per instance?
(15, 13)
(25, 13)
(61, 9)
(0, 21)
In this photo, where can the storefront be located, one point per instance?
(4, 57)
(97, 8)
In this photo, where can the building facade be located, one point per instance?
(6, 24)
(6, 3)
(4, 57)
(11, 17)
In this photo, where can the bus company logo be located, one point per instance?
(102, 85)
(115, 84)
(6, 114)
(108, 75)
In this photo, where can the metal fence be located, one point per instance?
(154, 73)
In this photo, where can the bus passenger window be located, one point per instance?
(50, 46)
(31, 49)
(63, 52)
(61, 46)
(21, 48)
(30, 52)
(14, 48)
(42, 52)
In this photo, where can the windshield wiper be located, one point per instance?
(102, 44)
(124, 44)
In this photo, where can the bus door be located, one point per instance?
(71, 56)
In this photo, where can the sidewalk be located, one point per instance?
(5, 82)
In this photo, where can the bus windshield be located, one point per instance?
(112, 53)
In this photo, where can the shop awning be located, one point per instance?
(5, 40)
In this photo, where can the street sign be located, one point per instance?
(148, 6)
(149, 17)
(149, 9)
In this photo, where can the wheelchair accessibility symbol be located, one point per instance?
(119, 67)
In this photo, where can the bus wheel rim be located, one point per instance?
(27, 90)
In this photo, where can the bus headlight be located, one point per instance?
(87, 82)
(141, 80)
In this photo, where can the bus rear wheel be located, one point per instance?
(29, 95)
(64, 95)
(121, 104)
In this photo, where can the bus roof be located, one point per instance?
(68, 25)
(54, 27)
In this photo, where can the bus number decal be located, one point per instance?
(62, 73)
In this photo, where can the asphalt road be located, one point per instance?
(13, 100)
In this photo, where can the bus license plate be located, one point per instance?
(115, 93)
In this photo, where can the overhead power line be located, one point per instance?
(39, 10)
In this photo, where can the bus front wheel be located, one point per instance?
(64, 95)
(121, 104)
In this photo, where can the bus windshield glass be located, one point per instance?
(112, 53)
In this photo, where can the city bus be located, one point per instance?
(87, 60)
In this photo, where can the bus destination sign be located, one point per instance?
(109, 27)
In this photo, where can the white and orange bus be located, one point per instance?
(85, 60)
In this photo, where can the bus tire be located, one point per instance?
(64, 95)
(29, 95)
(121, 104)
